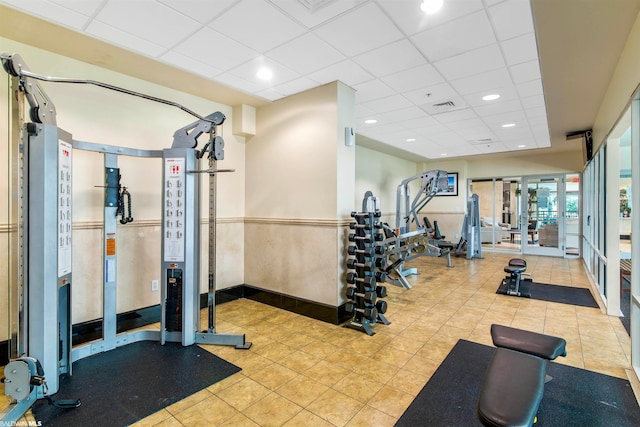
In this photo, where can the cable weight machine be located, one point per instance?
(41, 297)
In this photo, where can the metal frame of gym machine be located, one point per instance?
(404, 244)
(41, 297)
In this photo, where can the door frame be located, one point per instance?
(534, 248)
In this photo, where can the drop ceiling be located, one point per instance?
(421, 77)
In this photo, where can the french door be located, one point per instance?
(543, 215)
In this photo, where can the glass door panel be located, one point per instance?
(543, 204)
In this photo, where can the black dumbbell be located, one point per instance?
(352, 263)
(353, 226)
(368, 296)
(380, 276)
(381, 291)
(381, 262)
(368, 252)
(379, 250)
(376, 214)
(369, 281)
(368, 238)
(381, 306)
(369, 313)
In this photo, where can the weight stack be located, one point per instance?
(366, 255)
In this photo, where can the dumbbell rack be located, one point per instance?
(366, 257)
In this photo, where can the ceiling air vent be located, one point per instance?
(443, 106)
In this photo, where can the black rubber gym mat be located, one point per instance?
(556, 293)
(575, 397)
(122, 386)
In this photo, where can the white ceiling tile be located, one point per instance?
(490, 81)
(192, 65)
(166, 28)
(408, 16)
(420, 124)
(457, 116)
(507, 93)
(312, 17)
(257, 25)
(494, 147)
(511, 18)
(390, 103)
(525, 72)
(409, 114)
(414, 78)
(236, 82)
(531, 88)
(51, 12)
(497, 120)
(270, 94)
(536, 115)
(359, 30)
(202, 11)
(431, 94)
(533, 101)
(372, 89)
(85, 7)
(521, 49)
(248, 71)
(295, 86)
(125, 40)
(305, 54)
(470, 63)
(494, 108)
(347, 72)
(455, 37)
(228, 55)
(476, 134)
(392, 58)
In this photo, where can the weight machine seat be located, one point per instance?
(511, 269)
(540, 345)
(518, 262)
(512, 389)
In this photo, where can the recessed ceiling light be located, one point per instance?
(431, 6)
(508, 125)
(371, 121)
(443, 154)
(491, 97)
(521, 146)
(264, 73)
(410, 139)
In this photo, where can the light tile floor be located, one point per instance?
(303, 372)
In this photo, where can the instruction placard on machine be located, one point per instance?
(174, 174)
(65, 151)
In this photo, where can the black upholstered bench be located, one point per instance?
(513, 385)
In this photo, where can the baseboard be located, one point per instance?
(92, 330)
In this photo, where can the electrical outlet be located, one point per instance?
(155, 285)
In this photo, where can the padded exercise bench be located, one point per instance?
(511, 284)
(514, 381)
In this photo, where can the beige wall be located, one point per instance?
(300, 181)
(381, 174)
(102, 116)
(621, 88)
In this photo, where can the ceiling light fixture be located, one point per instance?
(508, 125)
(264, 73)
(431, 6)
(491, 97)
(521, 146)
(410, 139)
(371, 121)
(443, 154)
